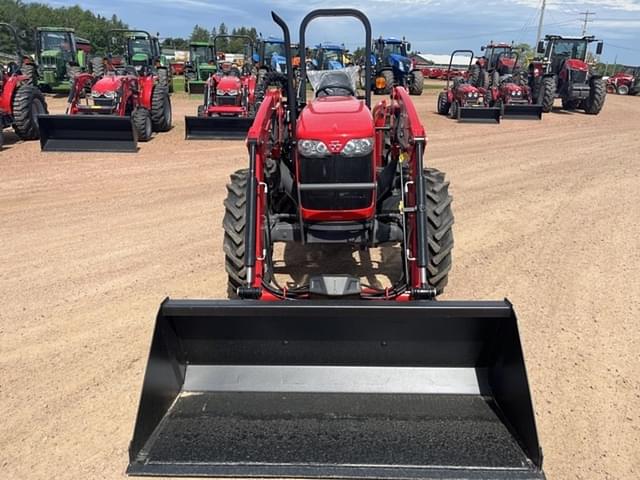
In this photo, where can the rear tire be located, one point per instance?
(440, 229)
(141, 119)
(29, 70)
(443, 103)
(234, 223)
(72, 71)
(547, 93)
(417, 84)
(597, 95)
(161, 113)
(28, 103)
(97, 67)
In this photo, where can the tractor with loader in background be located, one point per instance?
(109, 113)
(58, 59)
(20, 101)
(392, 66)
(462, 100)
(201, 65)
(229, 102)
(564, 72)
(330, 377)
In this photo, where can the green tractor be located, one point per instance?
(202, 63)
(137, 48)
(58, 59)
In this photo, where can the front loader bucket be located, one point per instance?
(217, 128)
(479, 114)
(522, 112)
(87, 133)
(195, 87)
(430, 390)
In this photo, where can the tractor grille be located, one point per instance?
(226, 100)
(336, 169)
(578, 77)
(104, 102)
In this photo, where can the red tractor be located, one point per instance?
(509, 89)
(229, 97)
(20, 101)
(464, 101)
(564, 72)
(624, 83)
(329, 377)
(111, 113)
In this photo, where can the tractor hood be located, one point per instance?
(110, 83)
(278, 63)
(335, 119)
(228, 83)
(401, 63)
(467, 88)
(334, 65)
(575, 64)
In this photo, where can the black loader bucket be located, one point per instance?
(479, 114)
(87, 133)
(429, 390)
(196, 88)
(217, 128)
(522, 112)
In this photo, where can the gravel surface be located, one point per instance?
(547, 214)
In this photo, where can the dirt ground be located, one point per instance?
(547, 214)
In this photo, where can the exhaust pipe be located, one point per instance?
(522, 112)
(351, 389)
(87, 133)
(217, 128)
(479, 114)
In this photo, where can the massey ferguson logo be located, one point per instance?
(335, 146)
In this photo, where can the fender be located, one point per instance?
(147, 85)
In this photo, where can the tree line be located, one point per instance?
(203, 34)
(26, 17)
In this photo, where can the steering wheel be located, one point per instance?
(325, 89)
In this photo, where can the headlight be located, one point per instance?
(475, 94)
(470, 94)
(519, 93)
(358, 147)
(219, 92)
(312, 148)
(110, 95)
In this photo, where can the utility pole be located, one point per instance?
(586, 21)
(539, 36)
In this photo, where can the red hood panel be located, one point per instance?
(228, 82)
(335, 118)
(107, 84)
(575, 64)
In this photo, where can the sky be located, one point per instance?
(432, 26)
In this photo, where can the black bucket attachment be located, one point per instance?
(479, 114)
(217, 128)
(430, 390)
(87, 133)
(522, 112)
(195, 87)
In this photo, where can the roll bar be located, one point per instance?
(453, 54)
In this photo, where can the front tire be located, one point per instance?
(28, 103)
(416, 86)
(439, 229)
(234, 222)
(623, 90)
(141, 119)
(161, 113)
(597, 95)
(547, 93)
(443, 103)
(388, 82)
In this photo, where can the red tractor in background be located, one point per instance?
(498, 60)
(20, 101)
(229, 97)
(109, 113)
(564, 72)
(464, 101)
(624, 83)
(509, 89)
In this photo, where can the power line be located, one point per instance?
(586, 21)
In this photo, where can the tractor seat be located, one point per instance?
(335, 84)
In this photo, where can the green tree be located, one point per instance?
(199, 34)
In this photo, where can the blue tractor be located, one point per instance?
(392, 66)
(329, 56)
(271, 55)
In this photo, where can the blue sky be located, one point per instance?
(432, 26)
